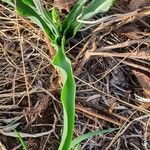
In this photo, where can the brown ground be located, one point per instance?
(111, 64)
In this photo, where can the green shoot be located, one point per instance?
(58, 33)
(21, 140)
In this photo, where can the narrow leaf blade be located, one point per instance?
(89, 135)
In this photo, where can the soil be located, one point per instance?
(111, 62)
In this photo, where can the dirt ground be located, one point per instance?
(111, 62)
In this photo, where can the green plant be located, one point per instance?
(21, 140)
(58, 33)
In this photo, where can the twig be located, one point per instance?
(119, 100)
(85, 110)
(124, 44)
(23, 61)
(83, 61)
(121, 19)
(117, 17)
(138, 55)
(124, 127)
(51, 49)
(136, 66)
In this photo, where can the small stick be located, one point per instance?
(91, 113)
(125, 44)
(138, 55)
(51, 49)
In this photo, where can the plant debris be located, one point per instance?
(144, 81)
(111, 60)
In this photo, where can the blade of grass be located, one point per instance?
(21, 140)
(81, 138)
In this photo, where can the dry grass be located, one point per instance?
(29, 89)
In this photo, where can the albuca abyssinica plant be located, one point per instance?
(58, 33)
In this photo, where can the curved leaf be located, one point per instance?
(63, 64)
(38, 16)
(83, 11)
(68, 24)
(89, 135)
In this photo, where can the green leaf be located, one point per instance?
(56, 18)
(35, 17)
(89, 135)
(21, 140)
(45, 15)
(63, 64)
(83, 11)
(68, 24)
(29, 3)
(96, 7)
(77, 147)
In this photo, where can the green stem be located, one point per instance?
(63, 64)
